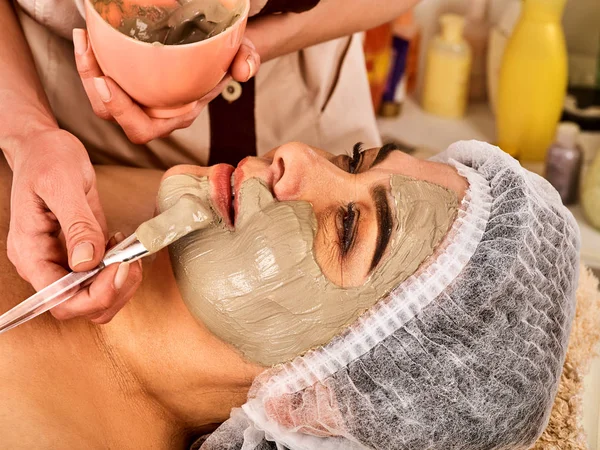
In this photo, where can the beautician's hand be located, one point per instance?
(54, 202)
(110, 102)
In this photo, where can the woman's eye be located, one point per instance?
(347, 228)
(353, 165)
(356, 158)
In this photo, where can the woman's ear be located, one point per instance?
(313, 411)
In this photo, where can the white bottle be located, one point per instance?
(446, 87)
(477, 31)
(499, 36)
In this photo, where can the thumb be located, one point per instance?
(246, 62)
(83, 234)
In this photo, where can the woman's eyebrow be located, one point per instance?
(384, 223)
(383, 153)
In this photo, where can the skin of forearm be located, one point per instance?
(24, 107)
(281, 34)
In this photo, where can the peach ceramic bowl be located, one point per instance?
(167, 80)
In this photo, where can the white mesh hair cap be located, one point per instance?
(464, 354)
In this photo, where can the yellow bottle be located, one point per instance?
(446, 87)
(533, 81)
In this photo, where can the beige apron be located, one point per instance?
(319, 96)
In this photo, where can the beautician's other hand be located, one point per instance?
(54, 201)
(110, 102)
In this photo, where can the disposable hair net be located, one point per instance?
(465, 354)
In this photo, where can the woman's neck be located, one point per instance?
(167, 368)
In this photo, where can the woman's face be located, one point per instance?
(313, 241)
(345, 191)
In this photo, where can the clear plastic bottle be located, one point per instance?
(533, 81)
(446, 87)
(564, 161)
(499, 36)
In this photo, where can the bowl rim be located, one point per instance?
(228, 30)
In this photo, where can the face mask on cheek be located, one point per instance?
(260, 287)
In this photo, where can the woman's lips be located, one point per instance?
(238, 175)
(220, 186)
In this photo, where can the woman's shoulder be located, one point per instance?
(26, 419)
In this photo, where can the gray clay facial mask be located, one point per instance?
(190, 21)
(260, 288)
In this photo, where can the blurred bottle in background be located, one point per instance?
(378, 56)
(446, 84)
(590, 194)
(402, 75)
(412, 60)
(582, 104)
(499, 36)
(533, 81)
(564, 162)
(477, 30)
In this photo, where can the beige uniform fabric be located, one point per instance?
(319, 96)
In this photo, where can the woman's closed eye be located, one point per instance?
(347, 222)
(347, 227)
(354, 162)
(362, 219)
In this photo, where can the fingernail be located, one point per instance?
(121, 275)
(82, 253)
(80, 41)
(251, 66)
(111, 242)
(119, 237)
(102, 89)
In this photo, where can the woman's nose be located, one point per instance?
(301, 172)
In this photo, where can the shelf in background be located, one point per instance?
(430, 134)
(420, 129)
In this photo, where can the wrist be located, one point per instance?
(271, 35)
(16, 135)
(49, 150)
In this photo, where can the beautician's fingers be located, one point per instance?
(189, 117)
(78, 217)
(88, 69)
(246, 62)
(110, 102)
(137, 125)
(127, 292)
(86, 302)
(111, 290)
(104, 317)
(54, 186)
(101, 296)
